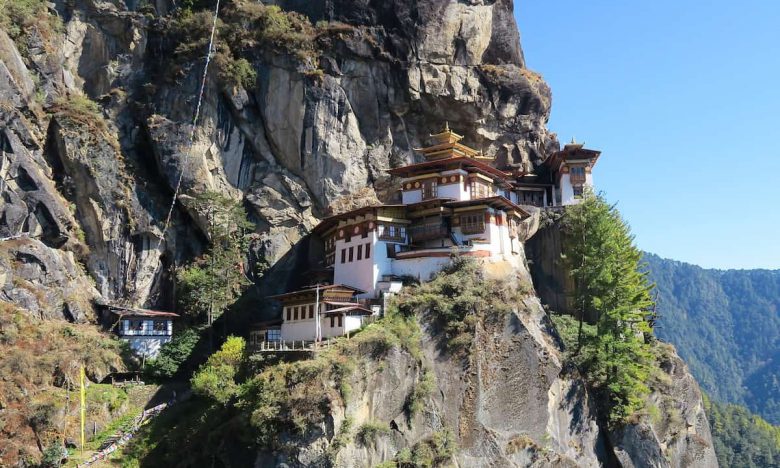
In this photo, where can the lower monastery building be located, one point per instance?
(453, 202)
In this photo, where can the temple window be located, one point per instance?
(360, 252)
(472, 223)
(392, 233)
(351, 254)
(429, 189)
(368, 250)
(577, 191)
(343, 255)
(577, 175)
(479, 189)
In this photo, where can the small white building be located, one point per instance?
(145, 330)
(560, 181)
(317, 312)
(572, 170)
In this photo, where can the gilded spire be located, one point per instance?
(447, 135)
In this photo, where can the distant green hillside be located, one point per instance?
(726, 325)
(742, 439)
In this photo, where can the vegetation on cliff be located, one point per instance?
(271, 405)
(615, 354)
(268, 403)
(726, 326)
(213, 281)
(39, 379)
(741, 438)
(28, 20)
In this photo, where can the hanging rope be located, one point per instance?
(194, 124)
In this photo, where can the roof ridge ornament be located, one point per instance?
(446, 136)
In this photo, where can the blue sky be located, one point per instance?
(683, 98)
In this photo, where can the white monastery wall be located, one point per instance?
(411, 196)
(352, 323)
(296, 330)
(567, 191)
(365, 272)
(454, 191)
(422, 268)
(148, 346)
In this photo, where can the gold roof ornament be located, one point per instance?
(481, 155)
(574, 144)
(447, 135)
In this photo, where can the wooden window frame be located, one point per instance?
(429, 189)
(472, 223)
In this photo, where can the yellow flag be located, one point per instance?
(83, 407)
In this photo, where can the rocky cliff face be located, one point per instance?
(97, 107)
(377, 78)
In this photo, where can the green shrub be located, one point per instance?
(20, 17)
(341, 439)
(370, 432)
(343, 367)
(216, 379)
(106, 394)
(455, 299)
(239, 73)
(415, 402)
(433, 452)
(173, 354)
(53, 455)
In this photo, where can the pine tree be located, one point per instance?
(609, 285)
(215, 280)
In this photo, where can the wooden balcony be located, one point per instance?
(472, 228)
(427, 232)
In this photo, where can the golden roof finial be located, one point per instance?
(481, 155)
(447, 135)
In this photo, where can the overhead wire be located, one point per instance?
(195, 119)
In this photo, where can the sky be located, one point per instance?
(683, 100)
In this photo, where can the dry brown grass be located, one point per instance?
(39, 375)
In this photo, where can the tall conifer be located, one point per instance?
(610, 290)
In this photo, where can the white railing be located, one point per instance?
(291, 345)
(145, 333)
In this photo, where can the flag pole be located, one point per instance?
(83, 406)
(318, 326)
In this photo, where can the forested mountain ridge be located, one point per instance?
(726, 325)
(741, 438)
